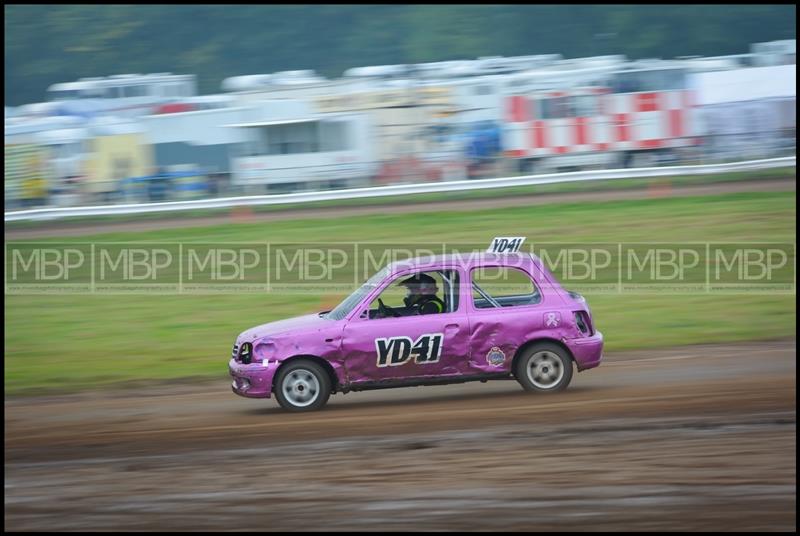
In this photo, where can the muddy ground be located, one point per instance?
(691, 438)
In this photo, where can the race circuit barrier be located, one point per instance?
(398, 190)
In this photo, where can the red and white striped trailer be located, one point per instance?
(593, 126)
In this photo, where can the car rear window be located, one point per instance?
(497, 286)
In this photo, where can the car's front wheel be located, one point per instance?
(545, 368)
(302, 385)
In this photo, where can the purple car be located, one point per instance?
(425, 321)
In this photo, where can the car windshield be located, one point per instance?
(349, 303)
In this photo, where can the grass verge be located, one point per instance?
(62, 343)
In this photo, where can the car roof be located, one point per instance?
(467, 260)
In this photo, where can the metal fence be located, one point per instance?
(31, 192)
(747, 145)
(396, 190)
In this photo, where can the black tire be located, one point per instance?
(544, 368)
(302, 385)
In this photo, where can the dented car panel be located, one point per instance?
(497, 334)
(478, 339)
(277, 342)
(381, 349)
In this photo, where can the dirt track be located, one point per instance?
(693, 438)
(66, 228)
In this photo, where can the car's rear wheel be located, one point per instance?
(302, 385)
(544, 368)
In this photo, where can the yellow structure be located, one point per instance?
(26, 173)
(114, 158)
(398, 115)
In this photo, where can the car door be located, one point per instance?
(393, 349)
(506, 308)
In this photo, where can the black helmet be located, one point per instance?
(419, 279)
(420, 284)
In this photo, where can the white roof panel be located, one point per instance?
(270, 123)
(737, 85)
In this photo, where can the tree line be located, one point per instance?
(45, 44)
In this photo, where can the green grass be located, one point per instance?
(57, 343)
(511, 191)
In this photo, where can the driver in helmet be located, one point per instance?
(421, 298)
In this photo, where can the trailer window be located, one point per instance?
(63, 94)
(655, 80)
(292, 138)
(140, 91)
(584, 105)
(334, 136)
(557, 108)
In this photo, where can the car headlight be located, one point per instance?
(246, 353)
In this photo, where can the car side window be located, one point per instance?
(420, 293)
(496, 286)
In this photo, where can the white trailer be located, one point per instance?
(747, 112)
(317, 151)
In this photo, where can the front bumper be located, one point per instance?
(253, 380)
(587, 351)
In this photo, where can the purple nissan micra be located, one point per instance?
(425, 321)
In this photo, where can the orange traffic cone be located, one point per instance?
(242, 214)
(659, 188)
